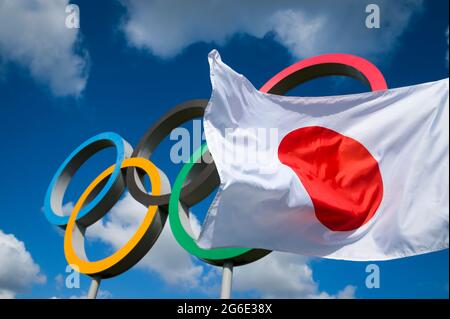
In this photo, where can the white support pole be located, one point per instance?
(227, 279)
(93, 289)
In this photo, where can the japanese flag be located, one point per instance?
(356, 177)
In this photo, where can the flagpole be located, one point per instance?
(93, 289)
(227, 278)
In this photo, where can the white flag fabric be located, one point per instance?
(355, 177)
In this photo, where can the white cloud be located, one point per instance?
(305, 28)
(59, 281)
(18, 271)
(172, 262)
(275, 276)
(102, 294)
(282, 275)
(33, 34)
(347, 293)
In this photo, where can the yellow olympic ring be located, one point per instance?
(127, 255)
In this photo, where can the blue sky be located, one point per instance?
(128, 64)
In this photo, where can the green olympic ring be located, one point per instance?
(178, 217)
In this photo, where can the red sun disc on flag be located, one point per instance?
(340, 175)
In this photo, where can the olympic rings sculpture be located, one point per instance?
(194, 183)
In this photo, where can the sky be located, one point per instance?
(132, 61)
